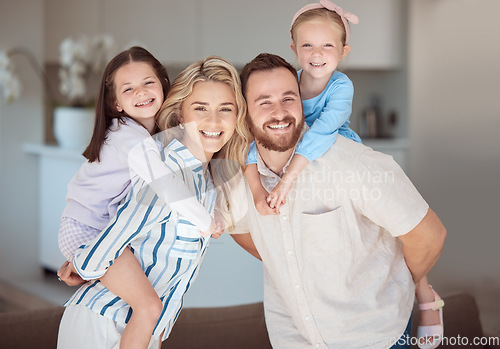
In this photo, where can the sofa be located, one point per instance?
(232, 327)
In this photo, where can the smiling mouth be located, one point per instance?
(317, 65)
(279, 126)
(141, 104)
(211, 134)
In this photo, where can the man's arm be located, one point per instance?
(245, 241)
(422, 246)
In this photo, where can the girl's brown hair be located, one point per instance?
(105, 106)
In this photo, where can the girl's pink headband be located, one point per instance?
(344, 15)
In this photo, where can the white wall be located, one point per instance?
(454, 92)
(21, 24)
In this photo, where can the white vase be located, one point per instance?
(73, 127)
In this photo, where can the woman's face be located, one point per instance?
(209, 115)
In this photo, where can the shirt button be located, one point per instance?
(297, 285)
(318, 345)
(284, 217)
(289, 252)
(307, 318)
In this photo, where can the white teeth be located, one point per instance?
(316, 64)
(211, 133)
(279, 127)
(145, 103)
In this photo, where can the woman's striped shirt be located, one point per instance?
(169, 248)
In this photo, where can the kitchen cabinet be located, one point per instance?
(182, 32)
(65, 19)
(168, 29)
(398, 148)
(56, 168)
(241, 30)
(377, 40)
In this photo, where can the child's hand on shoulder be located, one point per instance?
(219, 225)
(277, 197)
(211, 229)
(260, 201)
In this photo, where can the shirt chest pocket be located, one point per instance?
(324, 233)
(187, 241)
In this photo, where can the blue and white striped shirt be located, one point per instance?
(169, 248)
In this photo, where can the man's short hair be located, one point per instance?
(264, 61)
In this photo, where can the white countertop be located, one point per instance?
(382, 144)
(55, 151)
(52, 150)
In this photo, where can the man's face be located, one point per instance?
(275, 112)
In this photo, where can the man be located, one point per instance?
(341, 257)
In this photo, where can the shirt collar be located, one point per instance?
(265, 171)
(183, 152)
(268, 178)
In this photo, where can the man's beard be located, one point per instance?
(279, 143)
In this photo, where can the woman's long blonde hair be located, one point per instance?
(226, 163)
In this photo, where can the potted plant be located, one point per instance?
(79, 60)
(10, 86)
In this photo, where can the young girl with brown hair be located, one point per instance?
(133, 88)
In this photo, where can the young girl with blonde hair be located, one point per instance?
(320, 41)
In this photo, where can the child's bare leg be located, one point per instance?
(425, 295)
(259, 193)
(126, 279)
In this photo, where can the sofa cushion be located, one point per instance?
(241, 327)
(30, 328)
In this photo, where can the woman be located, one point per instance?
(204, 115)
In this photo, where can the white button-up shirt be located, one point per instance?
(334, 271)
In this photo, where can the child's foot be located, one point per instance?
(430, 328)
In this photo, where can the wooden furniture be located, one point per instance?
(239, 327)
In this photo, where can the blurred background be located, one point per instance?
(425, 74)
